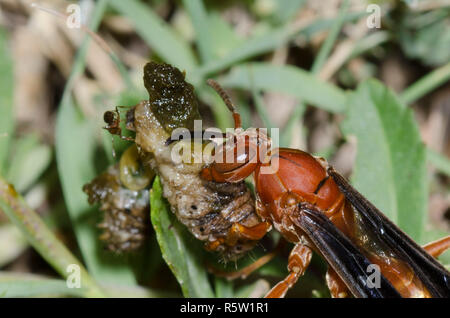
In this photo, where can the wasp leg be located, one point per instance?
(335, 284)
(299, 260)
(239, 231)
(247, 270)
(438, 247)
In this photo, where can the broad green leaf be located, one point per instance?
(157, 34)
(29, 160)
(6, 100)
(390, 168)
(289, 80)
(77, 156)
(181, 251)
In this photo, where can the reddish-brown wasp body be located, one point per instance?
(315, 208)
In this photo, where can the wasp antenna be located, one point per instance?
(224, 95)
(227, 100)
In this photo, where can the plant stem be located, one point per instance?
(42, 238)
(426, 84)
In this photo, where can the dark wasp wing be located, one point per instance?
(341, 254)
(432, 274)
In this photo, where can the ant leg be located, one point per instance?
(299, 260)
(438, 247)
(126, 138)
(335, 284)
(120, 130)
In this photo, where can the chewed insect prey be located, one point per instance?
(220, 214)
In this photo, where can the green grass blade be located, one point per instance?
(250, 48)
(254, 290)
(289, 80)
(325, 50)
(12, 243)
(24, 285)
(261, 44)
(439, 161)
(390, 168)
(223, 288)
(28, 285)
(181, 251)
(225, 38)
(286, 10)
(286, 137)
(426, 84)
(157, 34)
(199, 19)
(42, 238)
(6, 100)
(369, 42)
(30, 159)
(259, 104)
(221, 113)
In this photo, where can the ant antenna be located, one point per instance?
(227, 100)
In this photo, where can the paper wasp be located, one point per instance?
(316, 208)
